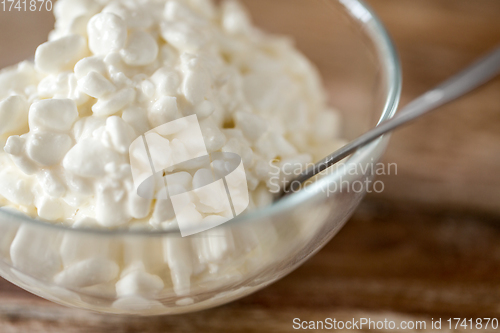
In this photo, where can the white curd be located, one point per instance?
(110, 72)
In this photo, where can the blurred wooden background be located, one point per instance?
(451, 158)
(427, 247)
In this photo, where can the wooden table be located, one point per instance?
(427, 247)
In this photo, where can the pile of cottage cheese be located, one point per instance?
(113, 70)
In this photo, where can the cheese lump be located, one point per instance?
(113, 70)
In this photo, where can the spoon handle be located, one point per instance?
(469, 79)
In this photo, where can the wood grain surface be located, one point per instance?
(450, 158)
(427, 247)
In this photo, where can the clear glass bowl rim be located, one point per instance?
(366, 16)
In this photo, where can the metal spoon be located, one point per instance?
(480, 72)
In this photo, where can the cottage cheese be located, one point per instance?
(113, 70)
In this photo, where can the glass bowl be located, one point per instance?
(361, 73)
